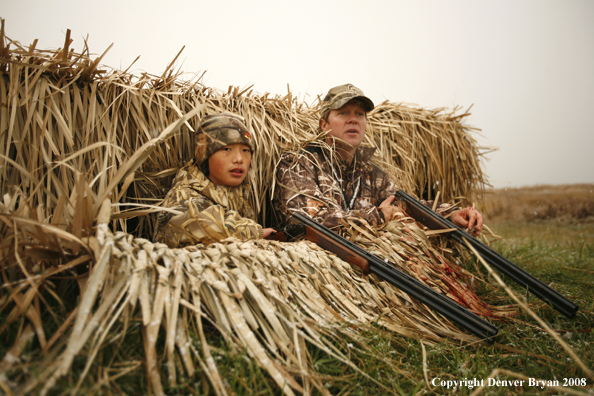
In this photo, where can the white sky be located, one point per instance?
(527, 66)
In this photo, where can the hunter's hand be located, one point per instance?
(468, 218)
(268, 231)
(388, 209)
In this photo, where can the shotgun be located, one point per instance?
(420, 212)
(300, 224)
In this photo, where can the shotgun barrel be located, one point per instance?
(434, 221)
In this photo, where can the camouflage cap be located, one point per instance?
(217, 131)
(341, 95)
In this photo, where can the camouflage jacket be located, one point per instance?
(305, 182)
(205, 212)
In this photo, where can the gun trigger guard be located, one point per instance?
(294, 229)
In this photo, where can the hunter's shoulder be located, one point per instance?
(302, 155)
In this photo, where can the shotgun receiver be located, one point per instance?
(415, 209)
(301, 224)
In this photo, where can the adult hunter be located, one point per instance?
(336, 180)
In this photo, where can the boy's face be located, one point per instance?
(229, 165)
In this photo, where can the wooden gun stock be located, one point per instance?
(338, 249)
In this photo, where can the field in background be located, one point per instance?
(572, 203)
(552, 223)
(549, 231)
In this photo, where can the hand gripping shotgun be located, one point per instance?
(415, 209)
(300, 224)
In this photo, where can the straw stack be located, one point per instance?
(88, 153)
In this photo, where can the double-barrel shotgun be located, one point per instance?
(300, 224)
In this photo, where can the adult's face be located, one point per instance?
(346, 124)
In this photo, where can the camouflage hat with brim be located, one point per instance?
(341, 95)
(220, 130)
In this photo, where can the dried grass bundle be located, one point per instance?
(63, 114)
(80, 146)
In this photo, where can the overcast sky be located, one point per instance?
(527, 66)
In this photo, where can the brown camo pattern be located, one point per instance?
(218, 131)
(341, 95)
(210, 212)
(304, 183)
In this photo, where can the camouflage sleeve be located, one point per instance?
(210, 225)
(387, 188)
(301, 185)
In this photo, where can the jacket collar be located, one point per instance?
(362, 156)
(229, 197)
